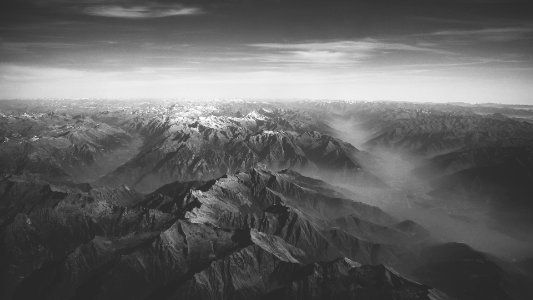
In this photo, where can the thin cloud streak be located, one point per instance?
(336, 52)
(142, 12)
(503, 34)
(363, 45)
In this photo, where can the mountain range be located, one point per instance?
(258, 200)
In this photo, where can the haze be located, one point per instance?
(406, 197)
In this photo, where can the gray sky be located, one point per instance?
(432, 50)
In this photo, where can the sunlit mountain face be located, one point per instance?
(265, 149)
(471, 51)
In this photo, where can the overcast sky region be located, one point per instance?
(420, 50)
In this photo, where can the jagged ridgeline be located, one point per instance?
(235, 200)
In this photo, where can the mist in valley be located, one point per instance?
(107, 162)
(405, 196)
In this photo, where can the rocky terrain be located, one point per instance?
(61, 146)
(185, 143)
(242, 200)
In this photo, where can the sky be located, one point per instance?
(410, 50)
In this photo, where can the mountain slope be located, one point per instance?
(99, 245)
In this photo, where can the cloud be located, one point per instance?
(320, 55)
(346, 46)
(503, 34)
(336, 51)
(26, 46)
(141, 12)
(10, 72)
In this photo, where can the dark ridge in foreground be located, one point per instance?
(255, 234)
